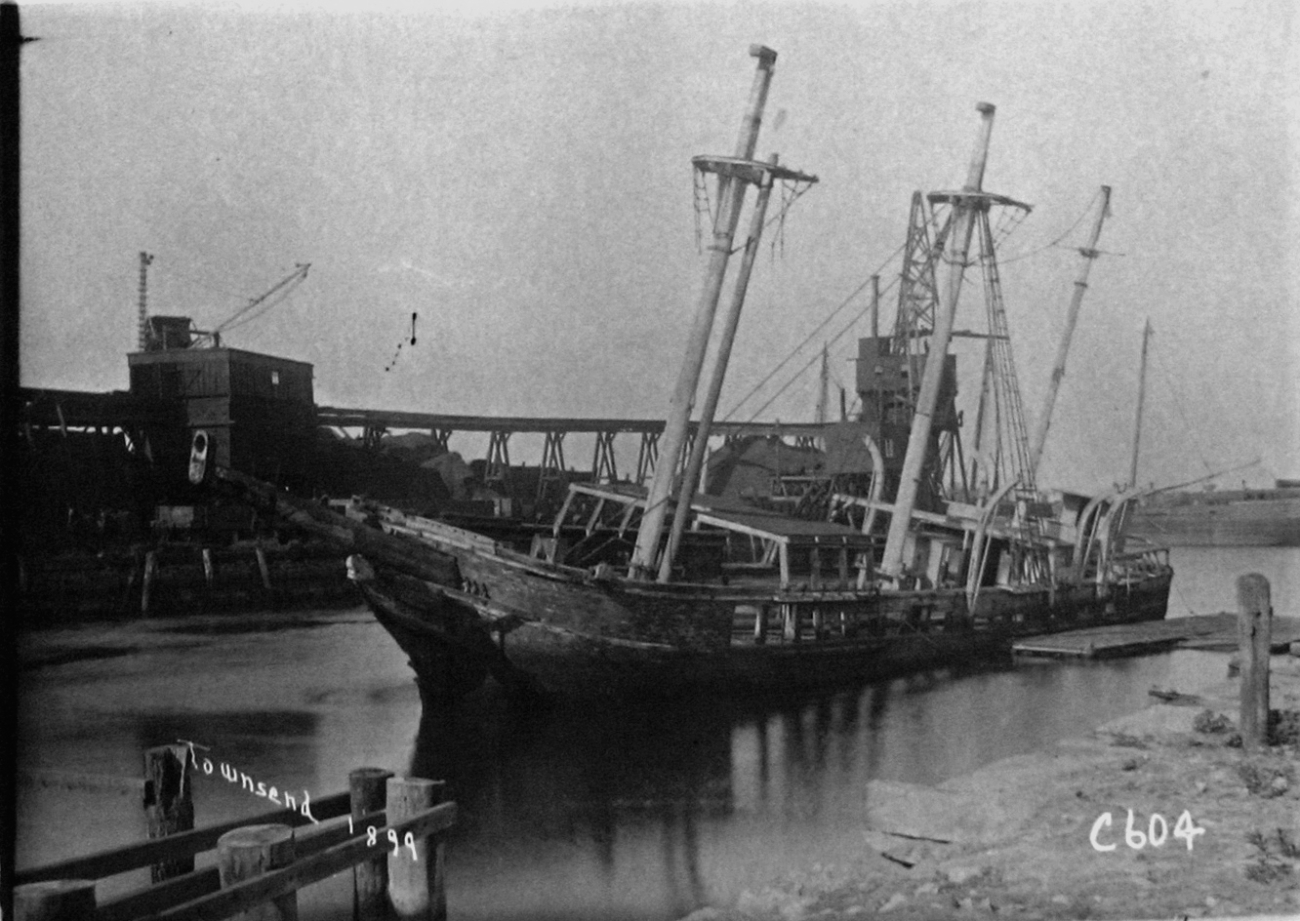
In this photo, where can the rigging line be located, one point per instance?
(812, 335)
(265, 306)
(1003, 260)
(1178, 404)
(284, 286)
(794, 377)
(790, 193)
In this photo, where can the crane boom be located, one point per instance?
(284, 285)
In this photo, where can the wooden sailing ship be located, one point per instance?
(670, 590)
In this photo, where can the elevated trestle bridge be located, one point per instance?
(373, 424)
(107, 414)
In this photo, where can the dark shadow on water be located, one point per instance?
(657, 807)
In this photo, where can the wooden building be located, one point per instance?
(259, 410)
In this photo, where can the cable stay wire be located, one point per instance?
(265, 306)
(817, 356)
(813, 335)
(1004, 260)
(1182, 410)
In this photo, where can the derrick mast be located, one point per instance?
(889, 368)
(912, 379)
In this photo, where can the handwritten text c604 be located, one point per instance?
(1156, 835)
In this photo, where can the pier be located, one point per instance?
(1202, 631)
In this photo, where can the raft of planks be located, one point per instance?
(1200, 631)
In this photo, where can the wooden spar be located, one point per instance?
(978, 457)
(958, 245)
(691, 476)
(731, 194)
(1142, 392)
(1088, 254)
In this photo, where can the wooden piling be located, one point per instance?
(368, 787)
(415, 880)
(263, 568)
(131, 577)
(168, 802)
(251, 851)
(55, 900)
(760, 625)
(150, 573)
(207, 567)
(1254, 637)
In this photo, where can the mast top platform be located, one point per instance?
(766, 56)
(981, 201)
(753, 171)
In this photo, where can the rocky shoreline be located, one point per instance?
(1196, 828)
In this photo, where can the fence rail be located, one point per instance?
(395, 852)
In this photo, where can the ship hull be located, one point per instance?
(1243, 523)
(540, 628)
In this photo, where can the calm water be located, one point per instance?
(585, 812)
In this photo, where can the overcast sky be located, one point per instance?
(520, 179)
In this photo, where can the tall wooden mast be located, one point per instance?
(965, 204)
(731, 195)
(695, 463)
(1142, 393)
(1088, 254)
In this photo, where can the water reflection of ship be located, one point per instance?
(649, 786)
(581, 778)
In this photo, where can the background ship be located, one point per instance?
(1222, 518)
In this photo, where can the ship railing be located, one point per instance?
(851, 618)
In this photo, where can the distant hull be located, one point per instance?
(1222, 522)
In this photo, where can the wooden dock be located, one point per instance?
(1201, 631)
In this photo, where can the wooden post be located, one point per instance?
(55, 900)
(130, 582)
(760, 625)
(790, 622)
(415, 882)
(1254, 636)
(150, 572)
(207, 567)
(251, 851)
(265, 570)
(368, 786)
(168, 802)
